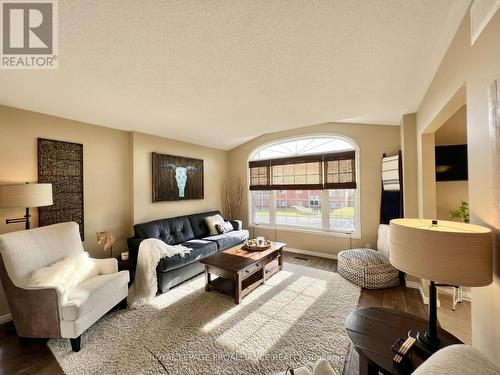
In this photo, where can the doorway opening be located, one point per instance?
(445, 189)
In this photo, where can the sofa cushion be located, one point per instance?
(172, 231)
(200, 250)
(90, 294)
(226, 240)
(200, 228)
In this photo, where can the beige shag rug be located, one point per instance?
(293, 320)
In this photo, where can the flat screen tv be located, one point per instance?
(451, 163)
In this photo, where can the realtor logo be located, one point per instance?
(29, 34)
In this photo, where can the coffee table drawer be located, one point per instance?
(251, 269)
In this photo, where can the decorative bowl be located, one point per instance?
(252, 245)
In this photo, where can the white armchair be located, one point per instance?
(42, 312)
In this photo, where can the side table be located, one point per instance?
(374, 330)
(124, 265)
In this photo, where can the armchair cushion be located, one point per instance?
(90, 294)
(106, 266)
(64, 274)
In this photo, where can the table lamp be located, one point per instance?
(25, 196)
(447, 253)
(106, 240)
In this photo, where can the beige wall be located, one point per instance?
(470, 70)
(449, 195)
(454, 130)
(117, 174)
(215, 171)
(408, 140)
(373, 141)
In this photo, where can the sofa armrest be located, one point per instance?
(237, 224)
(106, 266)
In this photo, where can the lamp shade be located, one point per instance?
(25, 195)
(446, 252)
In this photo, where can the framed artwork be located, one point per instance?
(176, 178)
(494, 120)
(61, 164)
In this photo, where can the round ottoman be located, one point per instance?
(367, 268)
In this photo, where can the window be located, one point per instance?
(261, 206)
(293, 207)
(342, 208)
(306, 183)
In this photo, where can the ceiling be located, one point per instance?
(220, 73)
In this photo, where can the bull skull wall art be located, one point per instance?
(176, 178)
(181, 175)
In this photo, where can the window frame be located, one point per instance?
(325, 230)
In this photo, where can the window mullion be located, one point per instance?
(272, 208)
(325, 209)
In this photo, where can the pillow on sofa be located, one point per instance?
(212, 221)
(224, 228)
(65, 273)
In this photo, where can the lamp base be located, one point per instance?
(427, 344)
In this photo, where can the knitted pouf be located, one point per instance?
(367, 268)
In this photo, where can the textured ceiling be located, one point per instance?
(220, 73)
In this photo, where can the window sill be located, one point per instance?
(303, 230)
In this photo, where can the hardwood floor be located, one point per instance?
(34, 357)
(25, 356)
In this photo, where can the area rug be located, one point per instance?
(293, 320)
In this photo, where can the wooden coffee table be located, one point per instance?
(240, 271)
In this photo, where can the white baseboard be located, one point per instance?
(5, 318)
(416, 285)
(311, 253)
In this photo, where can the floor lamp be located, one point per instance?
(446, 252)
(25, 196)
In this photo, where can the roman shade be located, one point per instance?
(334, 170)
(340, 170)
(260, 175)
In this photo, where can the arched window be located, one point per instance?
(307, 183)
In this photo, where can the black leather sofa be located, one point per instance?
(190, 231)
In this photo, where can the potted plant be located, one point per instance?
(462, 214)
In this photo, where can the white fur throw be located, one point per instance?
(64, 274)
(145, 284)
